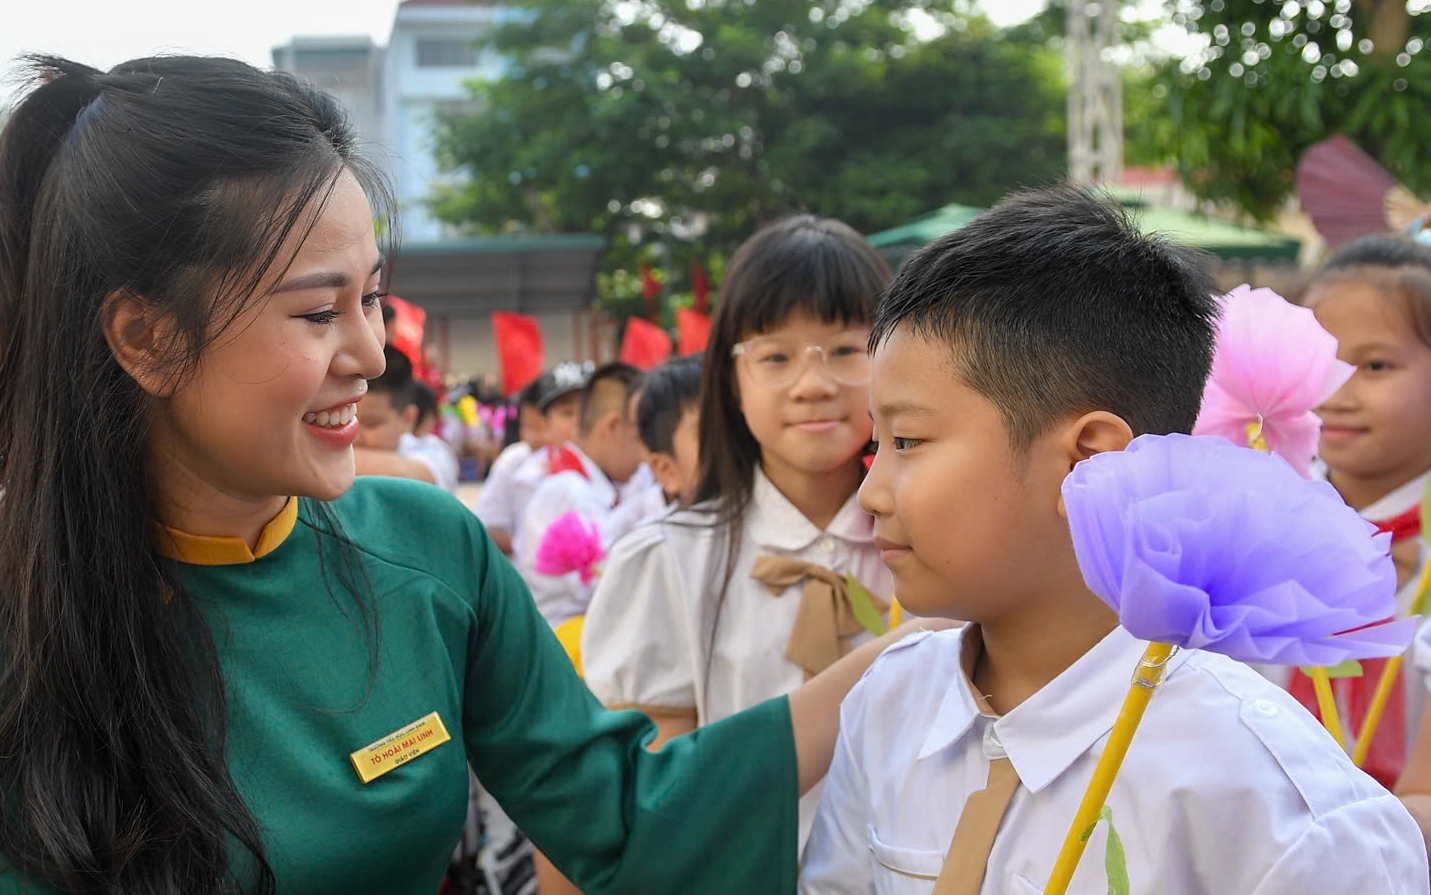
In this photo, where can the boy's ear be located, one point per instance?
(610, 422)
(409, 418)
(139, 337)
(1097, 433)
(664, 470)
(1093, 433)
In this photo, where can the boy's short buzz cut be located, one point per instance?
(1053, 303)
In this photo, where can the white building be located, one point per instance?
(393, 96)
(431, 56)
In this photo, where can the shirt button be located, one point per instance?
(1266, 708)
(827, 544)
(993, 746)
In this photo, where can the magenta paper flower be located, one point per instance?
(1274, 363)
(570, 545)
(1199, 543)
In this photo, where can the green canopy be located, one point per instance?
(1223, 239)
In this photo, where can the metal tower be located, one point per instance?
(1095, 93)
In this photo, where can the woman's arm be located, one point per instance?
(815, 707)
(713, 812)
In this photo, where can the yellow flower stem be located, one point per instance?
(1321, 682)
(1387, 683)
(1146, 681)
(1327, 705)
(1384, 687)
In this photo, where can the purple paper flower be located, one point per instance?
(1197, 542)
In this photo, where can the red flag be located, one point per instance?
(408, 324)
(519, 349)
(693, 329)
(701, 287)
(644, 345)
(650, 289)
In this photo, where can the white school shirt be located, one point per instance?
(647, 637)
(594, 498)
(1229, 788)
(527, 477)
(494, 505)
(436, 455)
(641, 481)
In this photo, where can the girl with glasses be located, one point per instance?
(773, 573)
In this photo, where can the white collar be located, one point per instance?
(774, 523)
(1047, 733)
(1407, 497)
(594, 475)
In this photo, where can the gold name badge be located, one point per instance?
(400, 747)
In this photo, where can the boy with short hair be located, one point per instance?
(1048, 330)
(560, 405)
(386, 414)
(667, 414)
(605, 454)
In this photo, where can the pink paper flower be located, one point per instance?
(1274, 364)
(570, 545)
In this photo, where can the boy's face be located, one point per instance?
(676, 472)
(1377, 428)
(380, 427)
(531, 425)
(615, 444)
(956, 512)
(562, 416)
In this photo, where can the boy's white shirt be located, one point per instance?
(647, 635)
(494, 505)
(640, 482)
(436, 455)
(1229, 788)
(594, 498)
(526, 478)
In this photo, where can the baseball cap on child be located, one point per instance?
(564, 379)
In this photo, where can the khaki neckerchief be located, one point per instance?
(824, 621)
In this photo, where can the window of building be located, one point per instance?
(446, 53)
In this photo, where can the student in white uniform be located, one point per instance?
(667, 413)
(496, 505)
(1045, 331)
(606, 453)
(1374, 295)
(560, 406)
(666, 408)
(680, 626)
(385, 414)
(423, 443)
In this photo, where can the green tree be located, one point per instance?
(676, 127)
(1274, 78)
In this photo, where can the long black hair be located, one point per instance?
(176, 179)
(819, 266)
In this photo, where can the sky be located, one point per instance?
(103, 33)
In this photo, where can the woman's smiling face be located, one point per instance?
(271, 408)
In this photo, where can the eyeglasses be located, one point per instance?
(773, 362)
